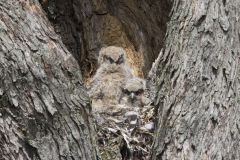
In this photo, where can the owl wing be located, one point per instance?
(95, 85)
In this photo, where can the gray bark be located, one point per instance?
(198, 83)
(44, 108)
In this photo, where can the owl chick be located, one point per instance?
(133, 92)
(112, 73)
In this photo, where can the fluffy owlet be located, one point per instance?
(112, 73)
(133, 92)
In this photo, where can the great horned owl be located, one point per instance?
(111, 75)
(133, 92)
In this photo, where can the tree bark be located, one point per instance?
(44, 108)
(198, 83)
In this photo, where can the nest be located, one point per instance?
(125, 133)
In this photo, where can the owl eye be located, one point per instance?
(110, 60)
(120, 60)
(139, 92)
(127, 92)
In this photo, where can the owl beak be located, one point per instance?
(132, 96)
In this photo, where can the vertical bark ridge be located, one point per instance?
(198, 83)
(44, 108)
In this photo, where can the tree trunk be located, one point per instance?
(198, 83)
(44, 108)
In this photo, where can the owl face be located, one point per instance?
(133, 90)
(111, 55)
(133, 95)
